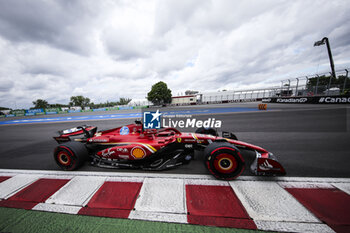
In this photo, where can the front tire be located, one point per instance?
(71, 155)
(223, 161)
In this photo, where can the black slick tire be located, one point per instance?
(223, 161)
(71, 155)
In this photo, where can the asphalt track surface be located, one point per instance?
(309, 140)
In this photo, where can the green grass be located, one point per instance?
(19, 220)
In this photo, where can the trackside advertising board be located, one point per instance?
(309, 100)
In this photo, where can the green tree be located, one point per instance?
(39, 103)
(58, 105)
(324, 80)
(79, 101)
(124, 101)
(159, 94)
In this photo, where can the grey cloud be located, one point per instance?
(37, 70)
(5, 85)
(228, 44)
(200, 16)
(58, 23)
(120, 47)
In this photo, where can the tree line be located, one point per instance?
(324, 81)
(80, 101)
(160, 94)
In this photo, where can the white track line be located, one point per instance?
(267, 201)
(157, 216)
(292, 227)
(125, 179)
(117, 173)
(345, 187)
(77, 192)
(13, 185)
(57, 208)
(56, 122)
(307, 185)
(206, 182)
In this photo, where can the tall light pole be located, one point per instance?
(326, 41)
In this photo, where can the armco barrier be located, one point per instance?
(36, 111)
(309, 100)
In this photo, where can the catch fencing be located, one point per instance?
(300, 86)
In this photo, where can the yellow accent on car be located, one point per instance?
(149, 147)
(227, 168)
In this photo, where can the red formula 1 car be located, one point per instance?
(131, 146)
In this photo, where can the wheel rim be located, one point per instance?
(64, 158)
(225, 163)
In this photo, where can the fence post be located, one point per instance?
(288, 86)
(281, 88)
(307, 81)
(346, 77)
(296, 89)
(329, 84)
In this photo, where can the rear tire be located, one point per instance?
(71, 155)
(223, 161)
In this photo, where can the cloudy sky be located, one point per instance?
(109, 49)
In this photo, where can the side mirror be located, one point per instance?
(229, 135)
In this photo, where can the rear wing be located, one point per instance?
(76, 133)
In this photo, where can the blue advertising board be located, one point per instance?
(38, 110)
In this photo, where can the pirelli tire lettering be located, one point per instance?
(309, 100)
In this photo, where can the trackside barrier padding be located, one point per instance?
(262, 106)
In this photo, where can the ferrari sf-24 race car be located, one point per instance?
(131, 146)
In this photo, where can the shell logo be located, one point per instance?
(138, 152)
